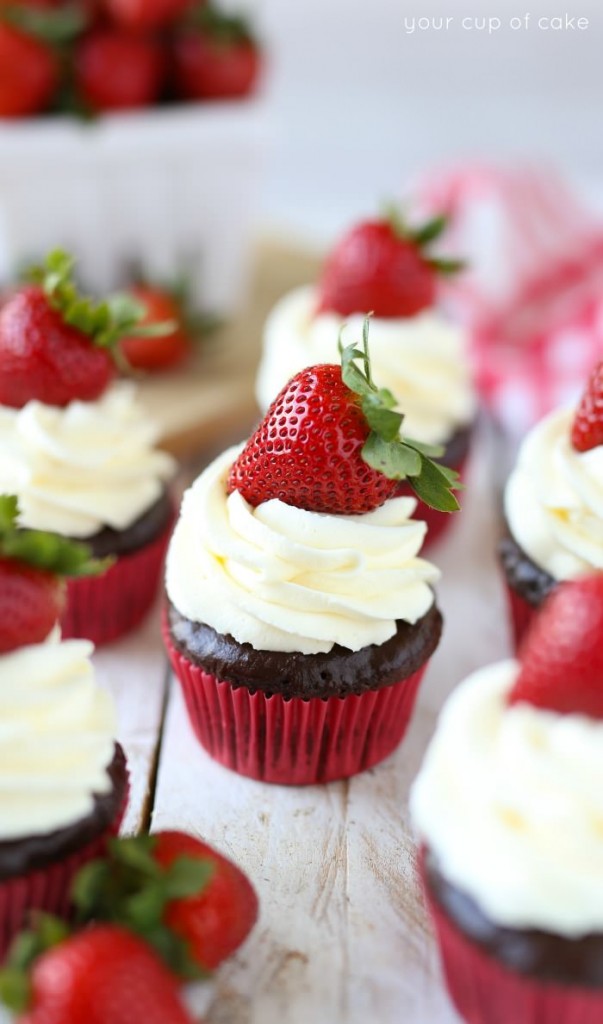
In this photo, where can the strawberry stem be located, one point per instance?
(422, 237)
(386, 449)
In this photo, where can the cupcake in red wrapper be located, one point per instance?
(300, 617)
(383, 267)
(78, 450)
(507, 807)
(554, 505)
(63, 779)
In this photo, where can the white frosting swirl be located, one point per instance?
(510, 801)
(554, 500)
(80, 468)
(421, 359)
(57, 731)
(283, 579)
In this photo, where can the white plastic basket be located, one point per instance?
(171, 188)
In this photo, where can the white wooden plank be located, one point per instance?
(343, 937)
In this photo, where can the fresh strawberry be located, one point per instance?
(561, 657)
(383, 267)
(587, 428)
(29, 73)
(191, 903)
(162, 352)
(215, 56)
(214, 922)
(330, 442)
(103, 975)
(32, 565)
(117, 70)
(55, 345)
(145, 15)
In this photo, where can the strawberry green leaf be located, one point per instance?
(15, 987)
(395, 461)
(447, 266)
(432, 451)
(43, 550)
(432, 486)
(226, 29)
(382, 420)
(52, 26)
(187, 876)
(429, 231)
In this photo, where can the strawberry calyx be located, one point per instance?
(103, 322)
(42, 550)
(52, 26)
(223, 28)
(422, 237)
(46, 932)
(386, 449)
(129, 887)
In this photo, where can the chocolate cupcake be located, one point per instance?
(507, 808)
(63, 777)
(553, 505)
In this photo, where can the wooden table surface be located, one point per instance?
(342, 936)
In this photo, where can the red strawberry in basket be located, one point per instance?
(215, 56)
(145, 15)
(356, 456)
(103, 975)
(29, 73)
(117, 70)
(32, 567)
(587, 428)
(55, 345)
(562, 655)
(384, 267)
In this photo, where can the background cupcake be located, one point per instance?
(509, 813)
(386, 268)
(301, 619)
(77, 449)
(554, 505)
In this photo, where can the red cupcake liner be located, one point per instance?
(102, 608)
(48, 888)
(522, 613)
(438, 523)
(484, 991)
(293, 742)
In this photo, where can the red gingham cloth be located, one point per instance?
(533, 298)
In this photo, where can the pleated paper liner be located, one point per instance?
(293, 742)
(103, 608)
(485, 991)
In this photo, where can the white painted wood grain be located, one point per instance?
(343, 937)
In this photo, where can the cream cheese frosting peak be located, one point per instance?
(421, 359)
(83, 467)
(57, 731)
(284, 579)
(510, 802)
(554, 500)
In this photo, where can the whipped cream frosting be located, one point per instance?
(554, 500)
(422, 360)
(83, 467)
(57, 731)
(284, 579)
(510, 801)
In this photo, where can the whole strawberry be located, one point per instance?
(32, 589)
(29, 73)
(55, 345)
(145, 15)
(330, 442)
(587, 428)
(215, 56)
(157, 353)
(102, 975)
(561, 657)
(383, 267)
(117, 70)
